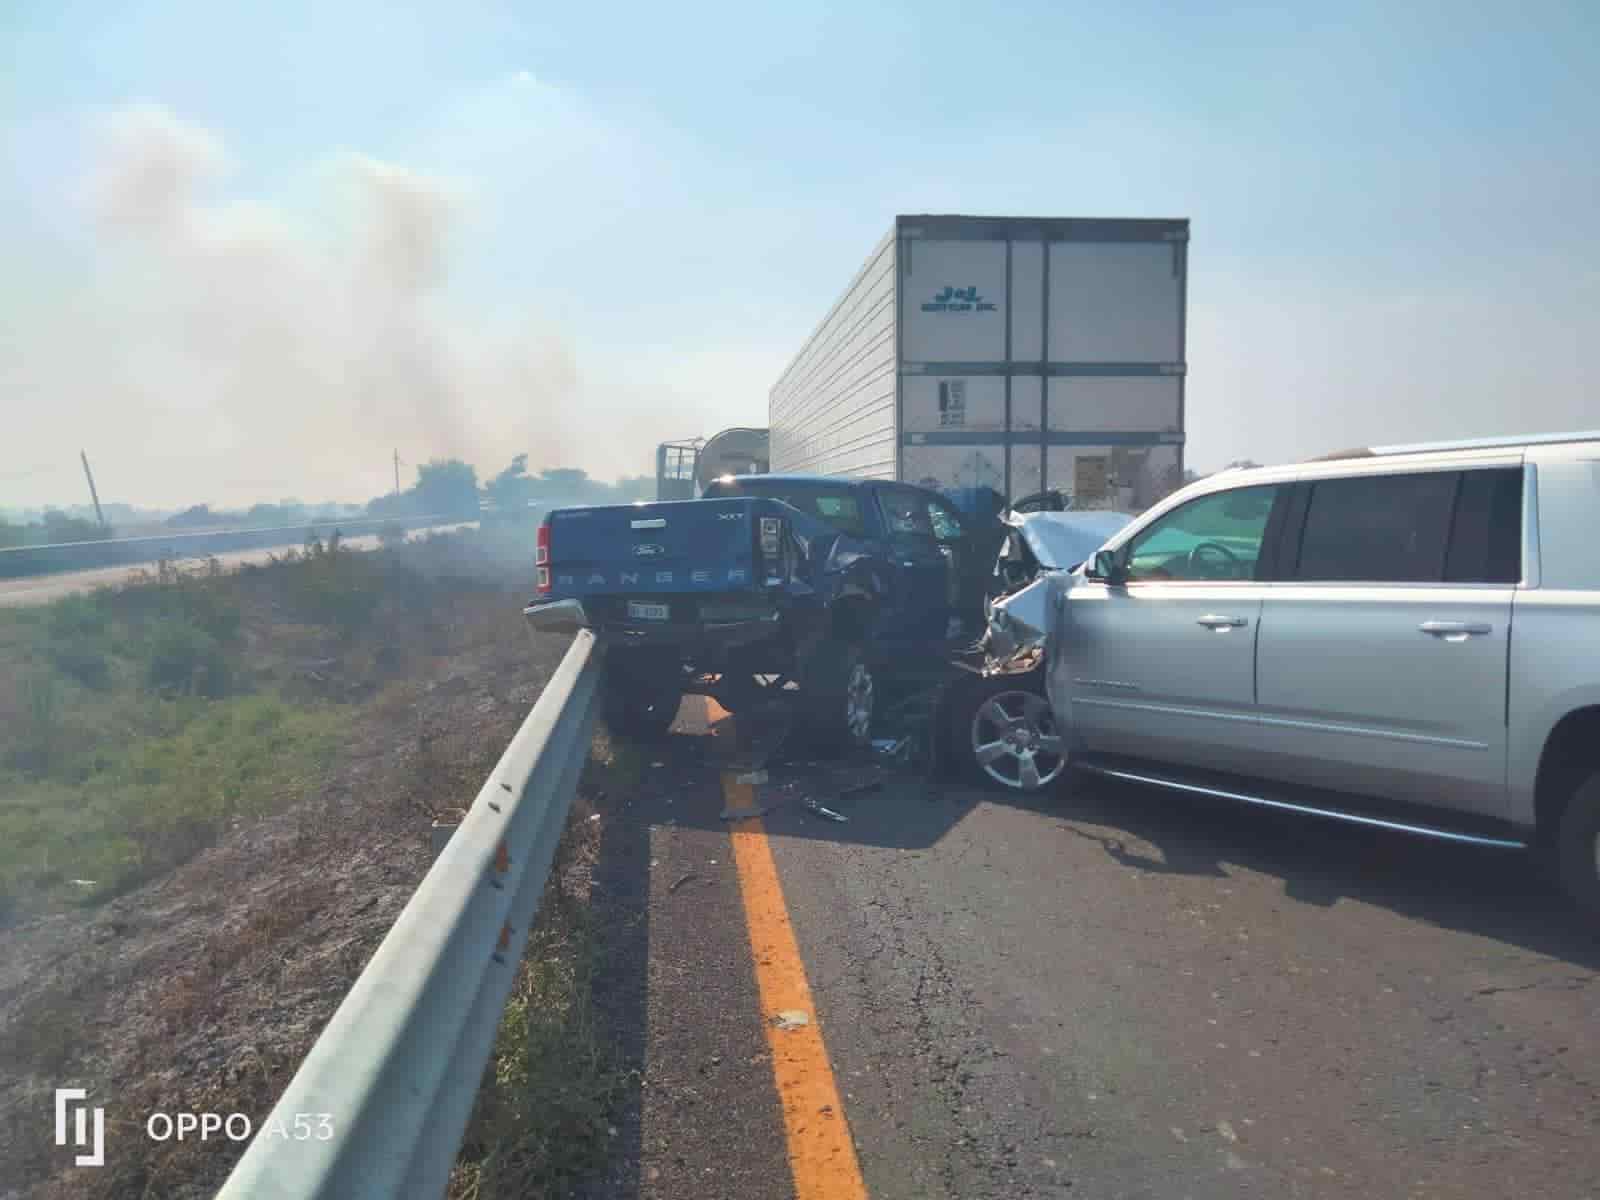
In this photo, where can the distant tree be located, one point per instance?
(511, 490)
(635, 487)
(11, 535)
(395, 504)
(264, 516)
(1245, 463)
(195, 517)
(447, 486)
(59, 527)
(571, 480)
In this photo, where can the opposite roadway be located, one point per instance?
(1105, 991)
(41, 589)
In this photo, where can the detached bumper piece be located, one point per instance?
(557, 616)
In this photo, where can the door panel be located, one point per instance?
(924, 574)
(1161, 670)
(1382, 658)
(1162, 665)
(1382, 690)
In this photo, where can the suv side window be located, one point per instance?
(1217, 537)
(1378, 528)
(1486, 535)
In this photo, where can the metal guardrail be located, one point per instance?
(398, 1066)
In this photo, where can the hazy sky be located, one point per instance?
(249, 254)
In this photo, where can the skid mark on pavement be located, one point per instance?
(822, 1156)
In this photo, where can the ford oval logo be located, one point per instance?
(647, 550)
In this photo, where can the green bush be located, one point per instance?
(334, 587)
(185, 659)
(42, 738)
(77, 617)
(86, 661)
(209, 606)
(79, 638)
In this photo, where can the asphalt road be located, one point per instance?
(1103, 992)
(41, 589)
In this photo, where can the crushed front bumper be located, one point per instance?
(1019, 628)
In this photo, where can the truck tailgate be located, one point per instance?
(668, 546)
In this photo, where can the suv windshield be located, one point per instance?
(838, 507)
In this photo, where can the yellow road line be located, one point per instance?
(822, 1156)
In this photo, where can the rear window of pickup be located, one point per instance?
(839, 508)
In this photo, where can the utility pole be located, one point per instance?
(397, 472)
(93, 495)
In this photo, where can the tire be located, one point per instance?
(1578, 845)
(1004, 734)
(641, 696)
(837, 695)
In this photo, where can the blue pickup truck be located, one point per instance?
(815, 586)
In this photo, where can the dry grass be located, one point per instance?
(191, 997)
(204, 988)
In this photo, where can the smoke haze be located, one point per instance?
(239, 351)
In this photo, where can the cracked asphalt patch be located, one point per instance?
(1110, 992)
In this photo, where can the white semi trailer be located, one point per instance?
(1019, 354)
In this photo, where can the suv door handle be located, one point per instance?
(1212, 621)
(1455, 631)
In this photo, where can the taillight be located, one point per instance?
(542, 557)
(771, 536)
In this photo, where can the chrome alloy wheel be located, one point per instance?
(1015, 740)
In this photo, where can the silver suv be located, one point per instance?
(1407, 637)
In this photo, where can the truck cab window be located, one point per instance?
(946, 525)
(905, 513)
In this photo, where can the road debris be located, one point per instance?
(791, 1018)
(861, 789)
(739, 814)
(826, 814)
(683, 879)
(1227, 1132)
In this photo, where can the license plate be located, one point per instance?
(647, 612)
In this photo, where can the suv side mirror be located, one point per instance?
(1107, 566)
